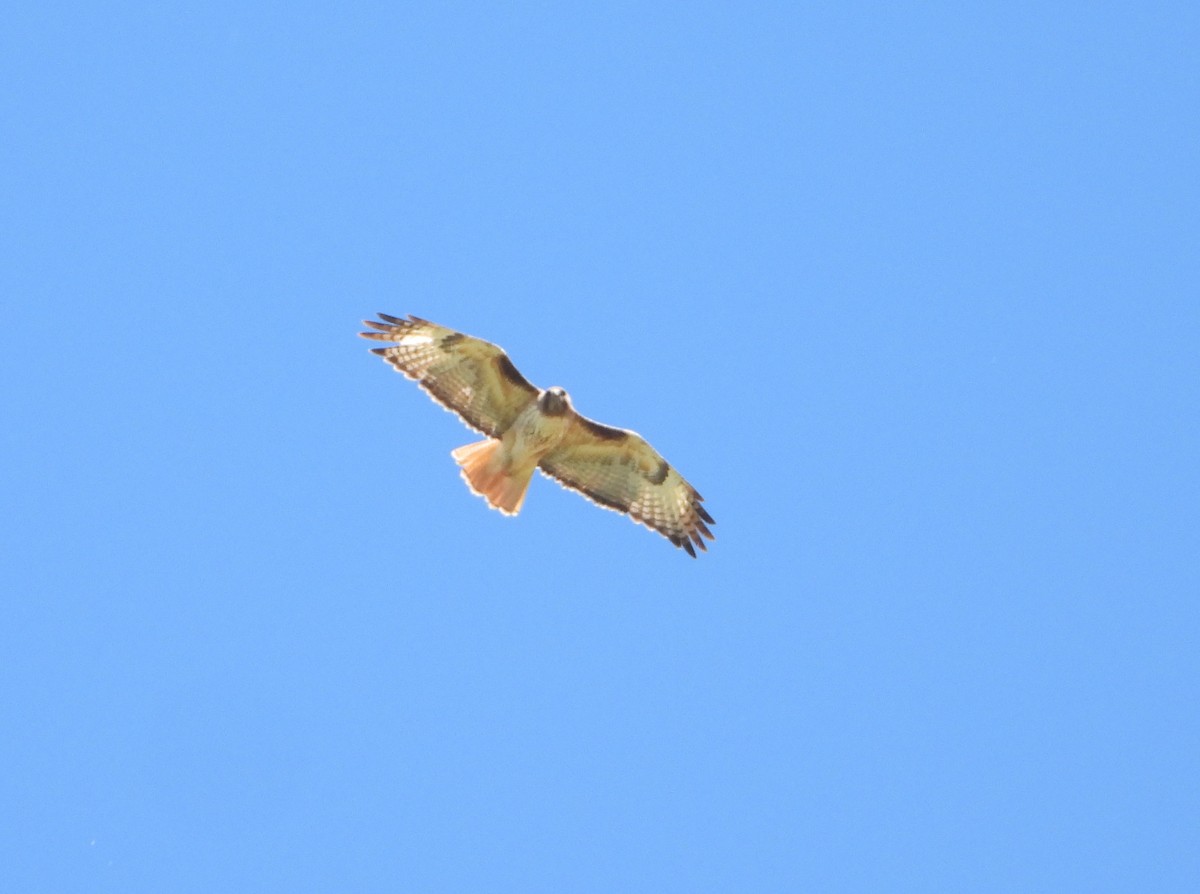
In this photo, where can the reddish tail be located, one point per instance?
(486, 473)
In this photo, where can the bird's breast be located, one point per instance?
(534, 433)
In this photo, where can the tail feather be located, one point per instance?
(487, 474)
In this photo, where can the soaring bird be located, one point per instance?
(531, 428)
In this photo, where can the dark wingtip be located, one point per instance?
(379, 351)
(687, 545)
(703, 513)
(390, 318)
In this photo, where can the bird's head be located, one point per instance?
(554, 402)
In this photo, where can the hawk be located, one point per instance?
(530, 428)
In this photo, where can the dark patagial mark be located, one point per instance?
(510, 372)
(451, 340)
(603, 432)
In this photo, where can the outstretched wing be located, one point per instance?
(619, 470)
(470, 376)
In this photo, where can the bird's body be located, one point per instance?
(500, 470)
(540, 426)
(529, 428)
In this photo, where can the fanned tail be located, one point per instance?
(486, 474)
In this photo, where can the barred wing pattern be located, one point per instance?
(619, 470)
(467, 375)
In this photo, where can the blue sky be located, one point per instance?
(907, 291)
